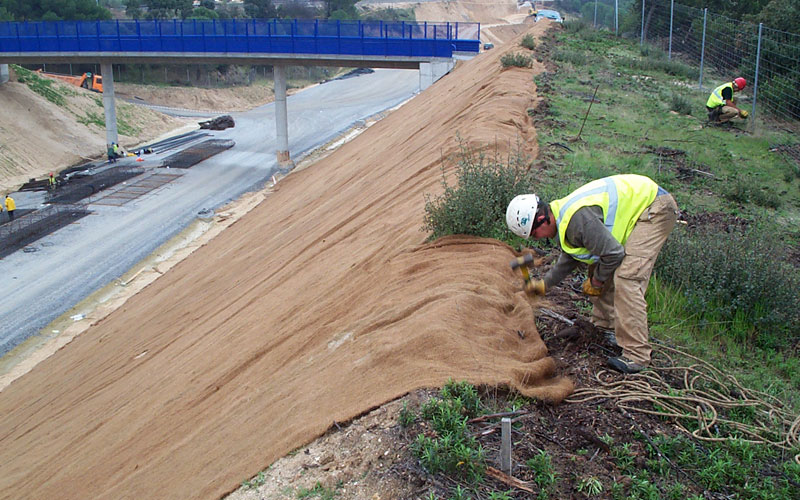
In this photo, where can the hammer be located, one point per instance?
(522, 262)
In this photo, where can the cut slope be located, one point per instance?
(321, 303)
(38, 136)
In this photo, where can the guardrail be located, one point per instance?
(251, 36)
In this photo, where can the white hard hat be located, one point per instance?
(520, 214)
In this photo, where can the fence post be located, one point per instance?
(755, 82)
(671, 12)
(703, 49)
(595, 14)
(616, 17)
(641, 36)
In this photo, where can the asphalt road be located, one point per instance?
(71, 263)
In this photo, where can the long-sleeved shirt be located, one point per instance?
(586, 230)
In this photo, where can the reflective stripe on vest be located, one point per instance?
(622, 198)
(715, 99)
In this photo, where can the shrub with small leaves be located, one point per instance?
(574, 57)
(517, 59)
(528, 42)
(735, 277)
(477, 204)
(575, 26)
(681, 104)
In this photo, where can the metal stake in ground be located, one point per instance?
(586, 115)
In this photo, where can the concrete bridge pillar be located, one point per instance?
(432, 71)
(109, 105)
(281, 122)
(3, 73)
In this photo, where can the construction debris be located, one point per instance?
(218, 123)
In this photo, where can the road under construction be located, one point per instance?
(73, 234)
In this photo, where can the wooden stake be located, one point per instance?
(505, 445)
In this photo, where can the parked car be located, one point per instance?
(549, 14)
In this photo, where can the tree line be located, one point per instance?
(80, 10)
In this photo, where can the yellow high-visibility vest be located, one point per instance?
(10, 205)
(715, 99)
(623, 198)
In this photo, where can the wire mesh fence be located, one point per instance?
(720, 47)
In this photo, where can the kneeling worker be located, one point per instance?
(721, 105)
(618, 225)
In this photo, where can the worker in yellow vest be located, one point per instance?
(10, 207)
(617, 225)
(721, 105)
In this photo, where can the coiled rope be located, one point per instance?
(698, 393)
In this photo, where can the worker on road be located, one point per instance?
(112, 156)
(617, 225)
(10, 207)
(722, 106)
(51, 181)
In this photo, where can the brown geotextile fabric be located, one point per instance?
(321, 303)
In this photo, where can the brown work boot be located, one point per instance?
(625, 365)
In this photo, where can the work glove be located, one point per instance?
(535, 287)
(743, 113)
(590, 289)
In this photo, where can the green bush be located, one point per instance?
(573, 57)
(652, 52)
(528, 42)
(575, 26)
(477, 204)
(735, 278)
(516, 59)
(745, 191)
(673, 67)
(681, 104)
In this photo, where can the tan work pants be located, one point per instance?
(728, 113)
(622, 306)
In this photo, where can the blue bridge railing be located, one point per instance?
(250, 36)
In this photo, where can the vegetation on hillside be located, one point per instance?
(724, 288)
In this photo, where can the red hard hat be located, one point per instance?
(740, 82)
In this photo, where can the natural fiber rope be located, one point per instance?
(702, 393)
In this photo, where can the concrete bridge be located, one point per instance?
(427, 46)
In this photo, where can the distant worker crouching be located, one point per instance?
(617, 225)
(10, 206)
(722, 106)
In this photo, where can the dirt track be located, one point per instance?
(321, 303)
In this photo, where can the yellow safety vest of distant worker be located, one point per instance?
(638, 192)
(10, 205)
(715, 99)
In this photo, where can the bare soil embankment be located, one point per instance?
(322, 302)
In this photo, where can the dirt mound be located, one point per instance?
(501, 34)
(39, 136)
(480, 11)
(321, 303)
(215, 100)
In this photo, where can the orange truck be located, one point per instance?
(87, 80)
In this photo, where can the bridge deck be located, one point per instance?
(244, 40)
